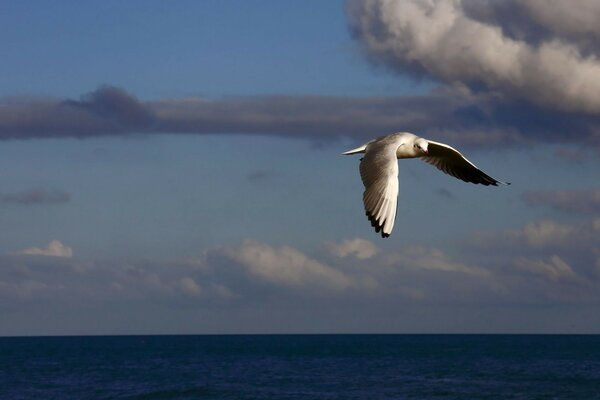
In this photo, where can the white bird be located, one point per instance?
(379, 172)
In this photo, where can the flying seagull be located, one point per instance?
(379, 172)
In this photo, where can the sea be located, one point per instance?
(331, 367)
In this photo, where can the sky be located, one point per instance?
(176, 167)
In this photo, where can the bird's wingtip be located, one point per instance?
(357, 150)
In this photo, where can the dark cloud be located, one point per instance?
(571, 201)
(35, 196)
(106, 111)
(454, 116)
(112, 104)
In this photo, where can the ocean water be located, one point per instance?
(369, 367)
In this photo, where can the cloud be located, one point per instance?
(440, 40)
(105, 111)
(541, 234)
(585, 202)
(549, 248)
(359, 248)
(54, 249)
(35, 196)
(427, 258)
(287, 266)
(537, 20)
(544, 233)
(529, 78)
(259, 287)
(113, 111)
(190, 287)
(449, 114)
(554, 268)
(512, 73)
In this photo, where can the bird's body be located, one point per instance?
(379, 172)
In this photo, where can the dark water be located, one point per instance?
(367, 367)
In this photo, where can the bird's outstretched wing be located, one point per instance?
(449, 160)
(379, 174)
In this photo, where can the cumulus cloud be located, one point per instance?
(54, 249)
(287, 266)
(571, 201)
(35, 196)
(359, 248)
(440, 40)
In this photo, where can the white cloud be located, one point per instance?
(437, 38)
(555, 268)
(287, 266)
(190, 287)
(359, 248)
(544, 233)
(54, 249)
(431, 259)
(542, 236)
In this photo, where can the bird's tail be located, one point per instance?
(357, 150)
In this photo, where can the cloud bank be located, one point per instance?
(449, 114)
(344, 286)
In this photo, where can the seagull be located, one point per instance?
(379, 172)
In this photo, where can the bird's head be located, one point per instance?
(421, 146)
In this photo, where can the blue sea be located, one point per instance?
(369, 367)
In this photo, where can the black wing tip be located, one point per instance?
(374, 224)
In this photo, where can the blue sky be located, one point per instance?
(212, 48)
(175, 168)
